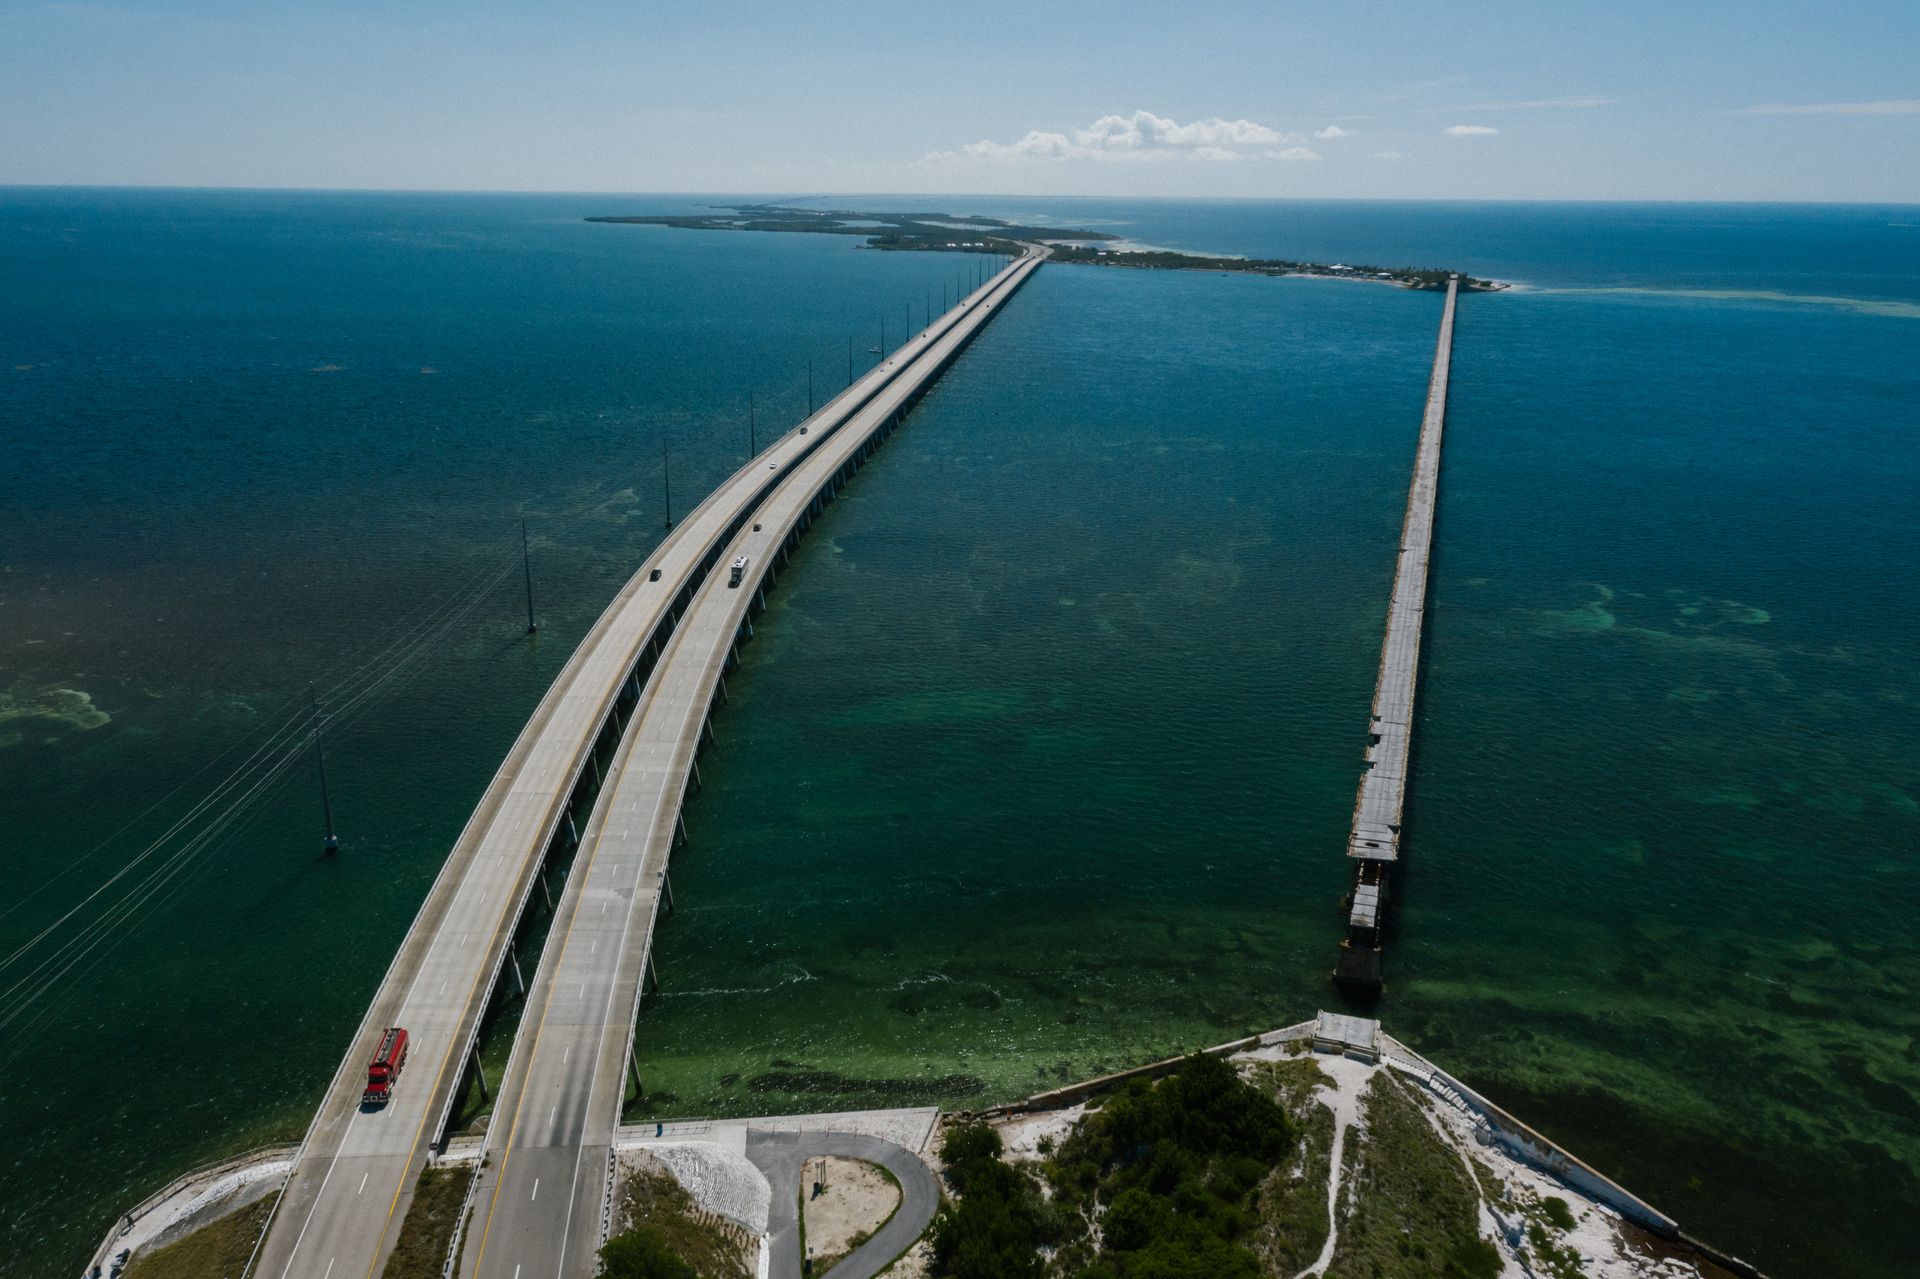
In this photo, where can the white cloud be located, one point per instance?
(1896, 106)
(1538, 104)
(1294, 153)
(1470, 131)
(1140, 136)
(1388, 155)
(1331, 132)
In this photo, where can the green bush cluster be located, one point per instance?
(642, 1253)
(1172, 1173)
(1000, 1221)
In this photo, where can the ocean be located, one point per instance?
(1041, 762)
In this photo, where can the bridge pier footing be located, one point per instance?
(479, 1072)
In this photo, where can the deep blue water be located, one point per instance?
(1043, 759)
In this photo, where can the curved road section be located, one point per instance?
(541, 1201)
(357, 1168)
(780, 1155)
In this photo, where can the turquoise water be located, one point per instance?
(1043, 758)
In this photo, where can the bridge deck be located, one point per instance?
(357, 1168)
(539, 1204)
(1375, 837)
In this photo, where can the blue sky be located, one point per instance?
(1684, 100)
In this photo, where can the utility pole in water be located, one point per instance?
(332, 844)
(526, 568)
(666, 483)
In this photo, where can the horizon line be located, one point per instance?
(773, 197)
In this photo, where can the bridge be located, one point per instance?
(1374, 844)
(634, 698)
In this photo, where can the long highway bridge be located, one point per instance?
(615, 739)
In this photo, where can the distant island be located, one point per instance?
(953, 233)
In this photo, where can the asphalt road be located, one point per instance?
(780, 1155)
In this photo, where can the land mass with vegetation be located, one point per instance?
(955, 233)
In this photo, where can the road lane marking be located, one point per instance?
(363, 1183)
(553, 1114)
(330, 1261)
(535, 1195)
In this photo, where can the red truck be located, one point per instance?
(385, 1067)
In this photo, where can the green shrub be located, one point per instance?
(1000, 1221)
(642, 1253)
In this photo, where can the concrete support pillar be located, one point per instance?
(513, 962)
(544, 890)
(666, 887)
(593, 757)
(633, 1073)
(680, 828)
(653, 974)
(698, 785)
(480, 1073)
(573, 832)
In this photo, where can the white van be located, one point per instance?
(739, 571)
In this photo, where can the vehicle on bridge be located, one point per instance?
(385, 1067)
(739, 572)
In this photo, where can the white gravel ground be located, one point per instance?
(200, 1201)
(719, 1179)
